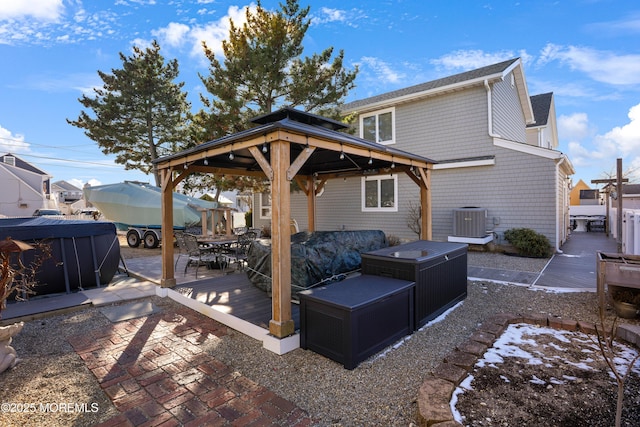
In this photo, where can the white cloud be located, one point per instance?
(600, 65)
(80, 183)
(630, 24)
(180, 35)
(173, 34)
(627, 137)
(12, 143)
(44, 22)
(326, 15)
(471, 59)
(380, 70)
(42, 10)
(573, 127)
(620, 142)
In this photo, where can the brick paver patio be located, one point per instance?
(156, 373)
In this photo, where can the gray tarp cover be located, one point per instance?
(315, 257)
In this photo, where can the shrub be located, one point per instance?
(528, 242)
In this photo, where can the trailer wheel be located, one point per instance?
(151, 241)
(133, 238)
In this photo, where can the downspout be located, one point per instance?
(490, 111)
(559, 220)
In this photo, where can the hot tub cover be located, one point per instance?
(316, 257)
(83, 253)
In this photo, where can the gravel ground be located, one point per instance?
(379, 392)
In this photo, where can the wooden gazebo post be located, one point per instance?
(168, 279)
(281, 325)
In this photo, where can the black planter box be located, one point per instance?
(351, 320)
(439, 270)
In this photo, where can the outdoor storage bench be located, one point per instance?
(349, 321)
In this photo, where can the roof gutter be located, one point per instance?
(490, 110)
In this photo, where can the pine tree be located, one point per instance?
(139, 113)
(263, 69)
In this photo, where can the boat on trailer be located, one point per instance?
(136, 207)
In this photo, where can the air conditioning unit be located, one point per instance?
(469, 222)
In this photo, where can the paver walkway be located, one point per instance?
(156, 373)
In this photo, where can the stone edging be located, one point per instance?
(435, 394)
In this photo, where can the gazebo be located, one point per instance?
(287, 145)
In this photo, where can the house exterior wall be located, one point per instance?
(21, 192)
(447, 127)
(508, 118)
(528, 201)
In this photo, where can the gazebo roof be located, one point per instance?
(342, 153)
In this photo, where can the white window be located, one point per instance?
(265, 205)
(379, 193)
(10, 160)
(379, 126)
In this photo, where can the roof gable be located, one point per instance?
(541, 105)
(22, 164)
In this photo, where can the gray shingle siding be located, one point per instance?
(419, 126)
(508, 119)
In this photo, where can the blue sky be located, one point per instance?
(586, 52)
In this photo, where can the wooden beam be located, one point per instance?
(281, 324)
(302, 183)
(168, 274)
(413, 176)
(299, 162)
(311, 203)
(348, 149)
(204, 151)
(426, 231)
(262, 162)
(226, 171)
(320, 185)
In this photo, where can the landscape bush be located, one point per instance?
(528, 242)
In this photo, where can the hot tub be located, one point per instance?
(84, 253)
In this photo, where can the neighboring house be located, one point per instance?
(68, 197)
(24, 188)
(495, 148)
(631, 196)
(66, 192)
(576, 191)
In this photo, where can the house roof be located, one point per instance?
(631, 189)
(466, 79)
(66, 186)
(22, 164)
(541, 105)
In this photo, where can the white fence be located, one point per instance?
(630, 229)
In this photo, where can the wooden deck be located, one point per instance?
(235, 295)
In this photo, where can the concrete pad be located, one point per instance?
(128, 289)
(129, 311)
(44, 304)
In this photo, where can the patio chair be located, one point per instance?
(182, 247)
(201, 254)
(238, 251)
